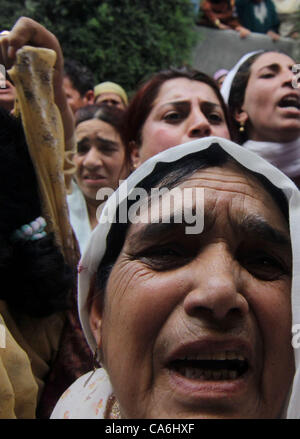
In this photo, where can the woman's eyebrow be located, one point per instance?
(251, 225)
(275, 67)
(100, 140)
(209, 106)
(262, 229)
(155, 231)
(83, 139)
(186, 104)
(182, 104)
(106, 142)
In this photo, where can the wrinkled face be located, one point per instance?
(198, 326)
(75, 100)
(110, 99)
(100, 157)
(184, 110)
(271, 103)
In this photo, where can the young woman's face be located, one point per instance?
(271, 105)
(184, 110)
(100, 157)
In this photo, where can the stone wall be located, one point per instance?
(218, 49)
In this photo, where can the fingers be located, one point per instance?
(27, 32)
(273, 35)
(4, 44)
(21, 34)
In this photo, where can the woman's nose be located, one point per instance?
(93, 158)
(287, 78)
(217, 286)
(199, 126)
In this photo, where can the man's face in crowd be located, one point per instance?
(110, 99)
(75, 100)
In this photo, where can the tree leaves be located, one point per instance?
(119, 40)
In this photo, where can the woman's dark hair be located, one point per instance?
(238, 90)
(35, 278)
(141, 104)
(85, 113)
(80, 76)
(109, 114)
(219, 1)
(169, 177)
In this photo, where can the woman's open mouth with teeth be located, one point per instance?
(217, 367)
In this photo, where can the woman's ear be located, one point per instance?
(134, 155)
(96, 320)
(241, 116)
(89, 97)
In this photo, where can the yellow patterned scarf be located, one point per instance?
(32, 75)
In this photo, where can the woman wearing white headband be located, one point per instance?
(192, 317)
(264, 98)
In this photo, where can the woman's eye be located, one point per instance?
(173, 117)
(267, 75)
(82, 148)
(163, 258)
(108, 150)
(265, 267)
(215, 118)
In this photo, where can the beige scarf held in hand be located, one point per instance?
(32, 75)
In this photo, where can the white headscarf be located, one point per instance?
(285, 156)
(97, 245)
(226, 86)
(79, 217)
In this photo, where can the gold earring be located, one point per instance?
(133, 167)
(242, 127)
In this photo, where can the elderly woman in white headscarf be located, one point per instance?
(264, 98)
(189, 305)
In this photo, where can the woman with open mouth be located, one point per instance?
(186, 321)
(264, 98)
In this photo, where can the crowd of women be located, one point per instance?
(169, 324)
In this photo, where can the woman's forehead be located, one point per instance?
(91, 126)
(224, 189)
(231, 184)
(178, 89)
(271, 58)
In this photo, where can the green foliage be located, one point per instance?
(120, 40)
(10, 12)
